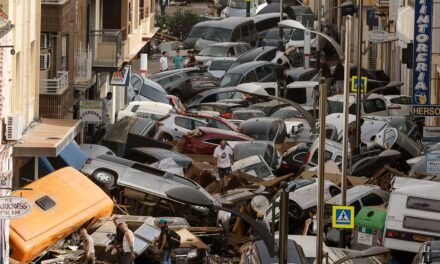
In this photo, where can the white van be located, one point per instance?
(413, 214)
(146, 109)
(374, 105)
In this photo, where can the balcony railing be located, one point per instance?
(107, 45)
(83, 67)
(55, 86)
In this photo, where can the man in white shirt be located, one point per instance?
(164, 62)
(223, 155)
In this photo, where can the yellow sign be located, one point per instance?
(364, 81)
(343, 216)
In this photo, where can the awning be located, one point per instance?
(47, 138)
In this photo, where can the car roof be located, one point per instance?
(160, 75)
(245, 67)
(295, 72)
(302, 84)
(354, 193)
(259, 122)
(206, 23)
(226, 44)
(231, 22)
(250, 55)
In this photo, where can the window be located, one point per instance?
(135, 108)
(357, 206)
(231, 52)
(262, 72)
(215, 141)
(198, 124)
(183, 122)
(401, 100)
(236, 35)
(209, 99)
(328, 156)
(245, 31)
(136, 82)
(422, 224)
(423, 204)
(250, 77)
(268, 56)
(374, 105)
(372, 199)
(338, 159)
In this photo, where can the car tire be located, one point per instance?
(167, 138)
(104, 178)
(295, 211)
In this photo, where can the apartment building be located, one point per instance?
(119, 29)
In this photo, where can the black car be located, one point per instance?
(196, 32)
(213, 95)
(257, 54)
(257, 252)
(271, 38)
(266, 149)
(256, 71)
(268, 107)
(293, 159)
(264, 128)
(152, 155)
(132, 132)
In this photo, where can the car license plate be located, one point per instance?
(365, 239)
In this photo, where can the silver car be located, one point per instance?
(175, 126)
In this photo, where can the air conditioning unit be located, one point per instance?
(44, 61)
(14, 127)
(44, 41)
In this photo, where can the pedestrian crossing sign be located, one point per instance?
(343, 217)
(354, 81)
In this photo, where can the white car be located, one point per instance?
(304, 197)
(399, 105)
(237, 8)
(146, 109)
(175, 126)
(375, 105)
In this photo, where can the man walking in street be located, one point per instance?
(88, 246)
(163, 5)
(162, 244)
(128, 254)
(223, 155)
(177, 60)
(191, 60)
(164, 62)
(280, 73)
(108, 108)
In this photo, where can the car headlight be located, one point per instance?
(192, 254)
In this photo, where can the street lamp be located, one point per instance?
(293, 24)
(369, 252)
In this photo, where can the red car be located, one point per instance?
(214, 121)
(204, 140)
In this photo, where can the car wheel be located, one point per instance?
(167, 138)
(104, 178)
(295, 211)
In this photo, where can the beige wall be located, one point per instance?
(25, 15)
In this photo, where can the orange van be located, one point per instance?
(62, 202)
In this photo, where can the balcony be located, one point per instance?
(107, 47)
(84, 77)
(55, 86)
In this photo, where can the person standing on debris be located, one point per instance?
(338, 79)
(177, 60)
(223, 155)
(191, 59)
(128, 254)
(261, 223)
(164, 62)
(310, 225)
(162, 244)
(119, 232)
(280, 74)
(163, 5)
(89, 247)
(352, 132)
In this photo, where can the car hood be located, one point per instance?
(203, 43)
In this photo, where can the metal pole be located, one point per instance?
(248, 8)
(339, 19)
(318, 49)
(346, 122)
(321, 173)
(280, 30)
(359, 76)
(284, 225)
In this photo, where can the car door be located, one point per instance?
(249, 77)
(182, 125)
(264, 73)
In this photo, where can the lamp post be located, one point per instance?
(359, 76)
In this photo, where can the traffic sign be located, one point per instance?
(364, 82)
(122, 77)
(13, 207)
(378, 36)
(343, 216)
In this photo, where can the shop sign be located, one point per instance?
(90, 111)
(13, 207)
